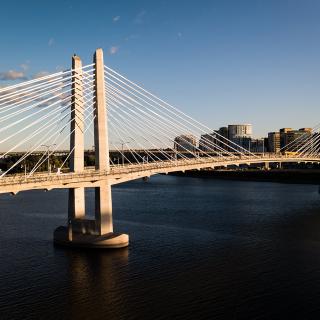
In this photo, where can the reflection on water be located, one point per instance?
(200, 249)
(96, 275)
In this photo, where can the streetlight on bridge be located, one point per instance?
(48, 151)
(122, 142)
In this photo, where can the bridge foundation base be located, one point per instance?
(110, 240)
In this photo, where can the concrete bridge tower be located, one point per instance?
(82, 231)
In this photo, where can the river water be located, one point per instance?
(199, 249)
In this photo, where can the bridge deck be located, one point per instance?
(119, 174)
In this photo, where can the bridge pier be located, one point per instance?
(76, 204)
(103, 208)
(81, 231)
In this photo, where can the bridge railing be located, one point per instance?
(145, 169)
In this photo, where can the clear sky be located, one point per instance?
(222, 62)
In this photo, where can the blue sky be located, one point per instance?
(219, 61)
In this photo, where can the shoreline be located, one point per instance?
(302, 176)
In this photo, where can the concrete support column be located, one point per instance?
(76, 208)
(101, 142)
(103, 209)
(103, 200)
(266, 166)
(76, 203)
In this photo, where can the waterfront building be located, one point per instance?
(240, 130)
(215, 141)
(240, 134)
(274, 142)
(222, 136)
(302, 134)
(185, 143)
(288, 136)
(223, 132)
(266, 144)
(207, 141)
(257, 145)
(283, 137)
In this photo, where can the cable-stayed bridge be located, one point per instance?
(94, 105)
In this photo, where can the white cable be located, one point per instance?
(300, 137)
(21, 103)
(69, 154)
(40, 86)
(306, 147)
(179, 123)
(145, 122)
(29, 107)
(118, 125)
(125, 121)
(34, 169)
(39, 111)
(164, 104)
(123, 154)
(161, 121)
(32, 94)
(141, 124)
(61, 73)
(43, 139)
(38, 120)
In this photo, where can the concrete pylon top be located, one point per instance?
(98, 56)
(75, 57)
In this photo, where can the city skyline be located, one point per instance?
(258, 64)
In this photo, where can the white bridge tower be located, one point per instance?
(81, 230)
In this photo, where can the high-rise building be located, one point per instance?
(288, 136)
(223, 131)
(274, 142)
(301, 134)
(222, 138)
(266, 144)
(185, 142)
(283, 137)
(240, 130)
(215, 141)
(257, 146)
(207, 142)
(241, 134)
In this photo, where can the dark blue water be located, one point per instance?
(200, 249)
